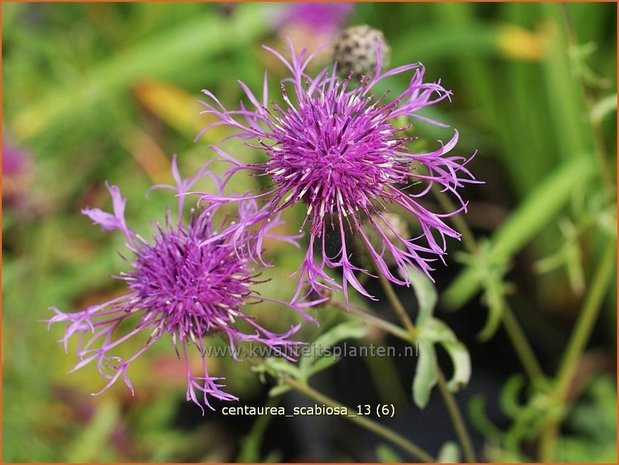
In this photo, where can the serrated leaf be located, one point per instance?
(449, 453)
(425, 374)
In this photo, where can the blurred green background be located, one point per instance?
(96, 92)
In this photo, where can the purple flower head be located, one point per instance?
(317, 17)
(344, 154)
(185, 284)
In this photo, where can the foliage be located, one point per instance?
(108, 91)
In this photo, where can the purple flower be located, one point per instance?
(189, 282)
(342, 152)
(317, 17)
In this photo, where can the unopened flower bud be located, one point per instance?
(355, 51)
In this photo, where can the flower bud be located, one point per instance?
(355, 51)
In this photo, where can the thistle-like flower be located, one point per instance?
(326, 18)
(185, 284)
(310, 25)
(343, 152)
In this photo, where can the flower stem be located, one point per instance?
(367, 423)
(456, 417)
(375, 320)
(512, 327)
(452, 407)
(576, 345)
(396, 305)
(596, 132)
(521, 345)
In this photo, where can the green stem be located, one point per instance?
(452, 406)
(396, 305)
(367, 423)
(587, 319)
(598, 140)
(576, 345)
(521, 345)
(512, 327)
(409, 336)
(393, 299)
(374, 320)
(456, 416)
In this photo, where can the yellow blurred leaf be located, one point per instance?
(149, 155)
(520, 43)
(175, 107)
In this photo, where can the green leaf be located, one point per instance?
(449, 453)
(494, 299)
(321, 364)
(277, 367)
(386, 454)
(475, 39)
(426, 294)
(534, 213)
(354, 329)
(279, 390)
(508, 398)
(430, 331)
(461, 362)
(425, 374)
(312, 361)
(604, 107)
(479, 419)
(457, 352)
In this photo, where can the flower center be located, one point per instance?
(335, 152)
(186, 287)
